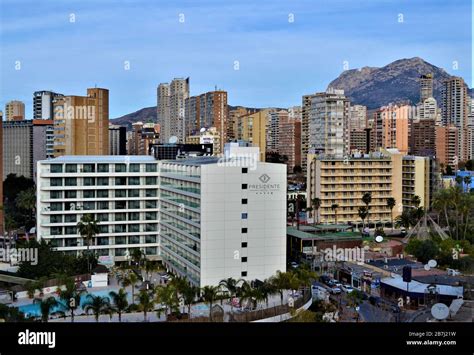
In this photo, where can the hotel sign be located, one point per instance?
(264, 187)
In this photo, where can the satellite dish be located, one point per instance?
(202, 130)
(379, 239)
(173, 140)
(440, 311)
(427, 267)
(432, 263)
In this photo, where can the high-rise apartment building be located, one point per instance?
(252, 128)
(143, 136)
(423, 137)
(205, 111)
(357, 117)
(206, 218)
(455, 111)
(418, 179)
(447, 145)
(81, 124)
(18, 148)
(43, 104)
(273, 131)
(15, 111)
(289, 141)
(163, 110)
(391, 127)
(426, 87)
(329, 123)
(305, 116)
(117, 140)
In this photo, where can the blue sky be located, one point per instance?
(279, 61)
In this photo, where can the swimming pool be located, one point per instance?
(34, 309)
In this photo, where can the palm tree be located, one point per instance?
(189, 294)
(26, 200)
(391, 202)
(70, 294)
(280, 283)
(231, 285)
(334, 207)
(458, 179)
(168, 296)
(130, 279)
(120, 301)
(415, 200)
(442, 202)
(316, 204)
(150, 267)
(138, 257)
(88, 228)
(145, 302)
(97, 304)
(46, 305)
(467, 181)
(367, 199)
(404, 220)
(210, 294)
(363, 212)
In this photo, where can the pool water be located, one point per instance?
(34, 310)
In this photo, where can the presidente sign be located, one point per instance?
(264, 186)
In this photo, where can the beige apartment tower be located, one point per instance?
(81, 124)
(15, 111)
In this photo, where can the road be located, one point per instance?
(370, 313)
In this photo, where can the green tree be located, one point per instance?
(46, 305)
(423, 250)
(467, 181)
(145, 302)
(168, 296)
(26, 200)
(404, 220)
(70, 293)
(230, 285)
(210, 294)
(88, 228)
(415, 200)
(120, 301)
(391, 202)
(97, 304)
(130, 279)
(363, 213)
(367, 199)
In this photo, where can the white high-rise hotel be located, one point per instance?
(206, 219)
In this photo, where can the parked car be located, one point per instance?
(347, 288)
(335, 290)
(334, 283)
(294, 264)
(324, 279)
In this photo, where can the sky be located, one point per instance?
(264, 53)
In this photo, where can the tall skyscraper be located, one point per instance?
(43, 104)
(455, 111)
(305, 113)
(447, 145)
(205, 111)
(117, 140)
(253, 129)
(18, 148)
(357, 117)
(426, 87)
(163, 110)
(289, 140)
(391, 127)
(329, 123)
(15, 111)
(81, 124)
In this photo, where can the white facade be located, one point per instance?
(212, 218)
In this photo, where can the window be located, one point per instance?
(135, 239)
(89, 194)
(133, 193)
(133, 205)
(150, 193)
(120, 168)
(102, 205)
(70, 242)
(71, 194)
(244, 215)
(151, 168)
(243, 274)
(150, 239)
(70, 218)
(89, 206)
(56, 206)
(244, 244)
(103, 168)
(55, 194)
(133, 216)
(134, 181)
(244, 186)
(120, 228)
(120, 216)
(56, 218)
(120, 240)
(150, 251)
(150, 180)
(71, 168)
(89, 181)
(149, 216)
(103, 193)
(103, 241)
(244, 230)
(120, 251)
(120, 193)
(88, 168)
(150, 204)
(71, 230)
(151, 227)
(244, 201)
(102, 217)
(102, 181)
(56, 182)
(120, 181)
(120, 205)
(244, 259)
(134, 168)
(245, 170)
(134, 228)
(56, 168)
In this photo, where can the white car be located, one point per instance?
(294, 265)
(347, 288)
(335, 290)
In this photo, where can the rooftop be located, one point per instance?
(293, 232)
(101, 159)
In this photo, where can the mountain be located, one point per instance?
(395, 82)
(148, 114)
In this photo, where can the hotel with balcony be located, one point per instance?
(205, 218)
